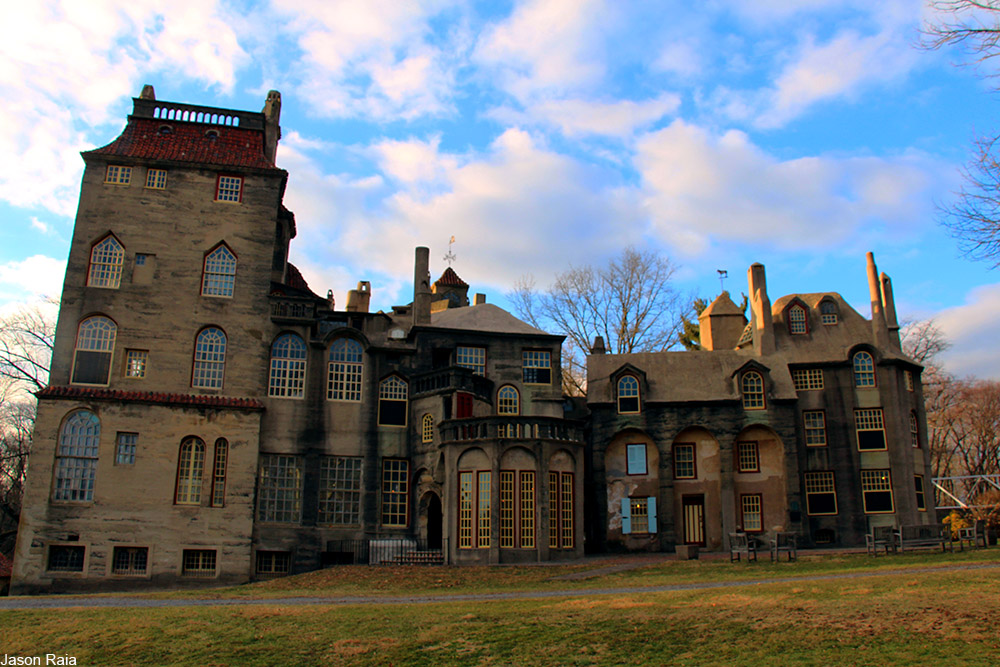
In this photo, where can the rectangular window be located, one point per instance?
(129, 561)
(639, 514)
(473, 358)
(395, 492)
(484, 523)
(218, 498)
(66, 558)
(871, 429)
(340, 491)
(566, 510)
(506, 509)
(230, 189)
(821, 493)
(747, 459)
(527, 513)
(554, 510)
(876, 491)
(908, 380)
(465, 494)
(815, 426)
(752, 515)
(273, 563)
(135, 363)
(636, 455)
(918, 483)
(536, 367)
(125, 454)
(156, 179)
(198, 563)
(807, 379)
(279, 495)
(118, 174)
(684, 462)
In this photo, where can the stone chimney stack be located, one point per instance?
(721, 324)
(889, 302)
(760, 311)
(879, 327)
(421, 286)
(358, 300)
(272, 130)
(147, 93)
(480, 299)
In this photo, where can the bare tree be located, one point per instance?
(631, 303)
(923, 340)
(26, 340)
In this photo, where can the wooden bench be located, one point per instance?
(924, 535)
(880, 537)
(784, 542)
(742, 544)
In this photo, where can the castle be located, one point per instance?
(209, 418)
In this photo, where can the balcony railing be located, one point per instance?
(453, 378)
(514, 428)
(291, 309)
(192, 113)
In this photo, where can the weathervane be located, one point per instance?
(722, 276)
(450, 257)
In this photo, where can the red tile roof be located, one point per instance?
(187, 400)
(189, 142)
(450, 279)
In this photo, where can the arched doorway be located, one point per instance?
(435, 521)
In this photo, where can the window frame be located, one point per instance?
(808, 379)
(217, 282)
(532, 366)
(744, 512)
(280, 480)
(394, 471)
(73, 553)
(477, 366)
(811, 430)
(204, 369)
(220, 466)
(869, 417)
(637, 448)
(427, 428)
(517, 509)
(562, 511)
(156, 179)
(914, 430)
(104, 268)
(908, 380)
(629, 394)
(190, 480)
(118, 174)
(126, 447)
(219, 190)
(748, 446)
(341, 481)
(509, 405)
(868, 474)
(345, 376)
(74, 475)
(797, 327)
(824, 483)
(286, 377)
(829, 314)
(693, 448)
(194, 563)
(389, 390)
(272, 558)
(131, 554)
(753, 397)
(85, 342)
(136, 362)
(863, 366)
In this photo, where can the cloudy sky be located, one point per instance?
(540, 134)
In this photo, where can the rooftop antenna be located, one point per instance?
(722, 277)
(450, 257)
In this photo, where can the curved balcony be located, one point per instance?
(511, 428)
(452, 378)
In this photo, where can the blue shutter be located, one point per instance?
(652, 514)
(626, 516)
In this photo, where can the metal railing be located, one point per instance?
(453, 378)
(386, 551)
(966, 491)
(511, 427)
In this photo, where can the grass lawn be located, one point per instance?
(946, 617)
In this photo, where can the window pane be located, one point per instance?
(219, 278)
(280, 489)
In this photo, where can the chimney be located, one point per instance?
(890, 311)
(480, 300)
(879, 328)
(598, 346)
(272, 131)
(760, 311)
(721, 324)
(359, 299)
(421, 286)
(147, 93)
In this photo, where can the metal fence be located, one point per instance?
(385, 551)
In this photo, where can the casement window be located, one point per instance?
(219, 272)
(345, 370)
(473, 358)
(229, 189)
(392, 401)
(135, 363)
(76, 458)
(752, 387)
(129, 561)
(747, 457)
(814, 422)
(918, 484)
(864, 370)
(66, 558)
(508, 401)
(395, 492)
(198, 563)
(126, 444)
(828, 312)
(914, 430)
(117, 174)
(190, 466)
(876, 491)
(156, 179)
(287, 378)
(628, 395)
(279, 489)
(908, 380)
(106, 259)
(798, 322)
(484, 520)
(95, 344)
(536, 366)
(635, 455)
(219, 473)
(427, 428)
(752, 513)
(517, 509)
(273, 563)
(561, 510)
(807, 379)
(821, 493)
(639, 516)
(340, 491)
(209, 368)
(684, 461)
(870, 429)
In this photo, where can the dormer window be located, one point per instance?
(628, 395)
(797, 321)
(828, 312)
(752, 387)
(864, 370)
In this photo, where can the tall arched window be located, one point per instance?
(427, 428)
(106, 259)
(288, 367)
(190, 464)
(864, 370)
(752, 387)
(344, 377)
(628, 394)
(219, 473)
(797, 322)
(392, 401)
(76, 459)
(219, 276)
(508, 401)
(914, 430)
(209, 359)
(95, 344)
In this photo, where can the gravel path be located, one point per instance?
(132, 602)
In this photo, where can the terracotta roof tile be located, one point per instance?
(159, 398)
(188, 142)
(450, 279)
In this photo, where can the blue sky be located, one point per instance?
(795, 133)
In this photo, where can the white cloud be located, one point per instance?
(577, 117)
(973, 329)
(35, 276)
(413, 161)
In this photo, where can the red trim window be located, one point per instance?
(798, 320)
(628, 395)
(747, 457)
(229, 188)
(106, 259)
(218, 276)
(636, 459)
(752, 385)
(864, 370)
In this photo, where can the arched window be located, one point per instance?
(797, 322)
(219, 473)
(392, 397)
(190, 464)
(106, 259)
(76, 460)
(914, 430)
(344, 377)
(628, 395)
(427, 428)
(95, 343)
(209, 359)
(219, 276)
(508, 401)
(864, 370)
(752, 387)
(288, 367)
(828, 312)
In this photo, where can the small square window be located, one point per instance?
(127, 443)
(140, 259)
(156, 179)
(118, 175)
(130, 561)
(135, 363)
(273, 563)
(66, 558)
(198, 563)
(636, 459)
(229, 189)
